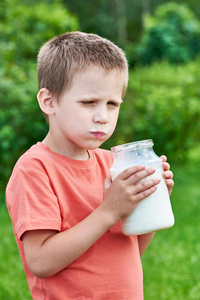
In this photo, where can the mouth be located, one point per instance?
(98, 133)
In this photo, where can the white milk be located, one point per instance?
(154, 212)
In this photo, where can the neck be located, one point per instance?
(81, 154)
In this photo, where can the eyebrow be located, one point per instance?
(91, 98)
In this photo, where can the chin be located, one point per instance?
(94, 146)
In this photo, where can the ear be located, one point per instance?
(46, 101)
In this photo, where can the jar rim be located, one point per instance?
(133, 145)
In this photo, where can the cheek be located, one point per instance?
(114, 118)
(113, 121)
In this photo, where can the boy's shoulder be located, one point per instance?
(35, 152)
(29, 162)
(35, 158)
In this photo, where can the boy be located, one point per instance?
(64, 208)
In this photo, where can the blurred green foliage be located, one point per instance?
(162, 103)
(172, 34)
(162, 100)
(23, 30)
(147, 30)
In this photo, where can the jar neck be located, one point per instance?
(134, 146)
(136, 153)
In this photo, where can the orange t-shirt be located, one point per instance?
(50, 191)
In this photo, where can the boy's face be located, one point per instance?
(86, 114)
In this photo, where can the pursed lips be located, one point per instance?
(98, 133)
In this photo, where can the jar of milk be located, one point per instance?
(154, 212)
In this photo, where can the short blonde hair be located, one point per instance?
(62, 57)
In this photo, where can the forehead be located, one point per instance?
(98, 76)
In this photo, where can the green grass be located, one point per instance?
(13, 284)
(170, 264)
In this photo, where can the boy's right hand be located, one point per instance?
(125, 192)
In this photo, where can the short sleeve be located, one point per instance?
(31, 201)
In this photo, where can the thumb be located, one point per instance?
(107, 182)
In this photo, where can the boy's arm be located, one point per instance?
(145, 239)
(48, 252)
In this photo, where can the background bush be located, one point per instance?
(162, 103)
(172, 34)
(162, 100)
(23, 30)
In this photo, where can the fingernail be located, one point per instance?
(142, 167)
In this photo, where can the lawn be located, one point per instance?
(13, 284)
(171, 263)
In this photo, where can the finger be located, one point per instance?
(137, 177)
(169, 183)
(164, 158)
(145, 185)
(168, 174)
(144, 194)
(130, 171)
(166, 166)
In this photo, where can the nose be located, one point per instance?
(101, 116)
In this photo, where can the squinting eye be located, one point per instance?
(112, 103)
(87, 102)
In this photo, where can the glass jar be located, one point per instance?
(154, 212)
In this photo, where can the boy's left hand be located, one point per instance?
(167, 174)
